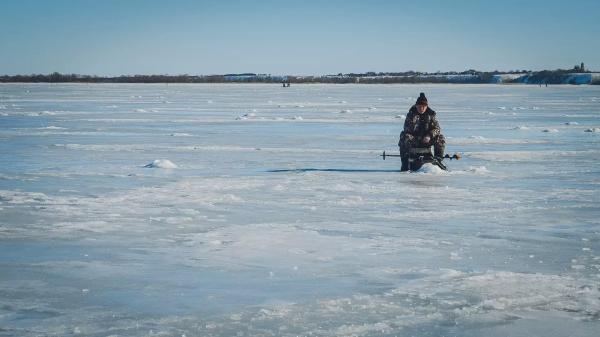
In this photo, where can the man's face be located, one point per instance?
(421, 108)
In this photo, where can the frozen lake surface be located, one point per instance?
(256, 210)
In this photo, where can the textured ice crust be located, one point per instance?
(469, 301)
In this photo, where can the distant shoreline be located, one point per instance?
(544, 77)
(279, 84)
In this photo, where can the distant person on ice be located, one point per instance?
(421, 129)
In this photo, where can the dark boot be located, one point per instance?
(439, 146)
(404, 167)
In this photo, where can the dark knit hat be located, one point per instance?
(422, 99)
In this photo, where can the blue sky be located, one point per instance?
(111, 37)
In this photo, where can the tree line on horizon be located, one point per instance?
(467, 76)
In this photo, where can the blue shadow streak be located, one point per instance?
(300, 170)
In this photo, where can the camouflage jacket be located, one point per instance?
(421, 125)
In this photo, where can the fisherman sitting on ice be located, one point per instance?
(421, 130)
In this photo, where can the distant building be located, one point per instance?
(506, 78)
(579, 78)
(240, 77)
(580, 68)
(252, 77)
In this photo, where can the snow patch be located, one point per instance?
(246, 116)
(477, 169)
(484, 140)
(430, 169)
(161, 163)
(20, 197)
(593, 130)
(30, 113)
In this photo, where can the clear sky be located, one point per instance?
(113, 37)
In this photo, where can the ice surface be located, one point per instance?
(282, 220)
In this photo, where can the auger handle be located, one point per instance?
(456, 156)
(388, 155)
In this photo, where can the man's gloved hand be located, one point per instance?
(426, 140)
